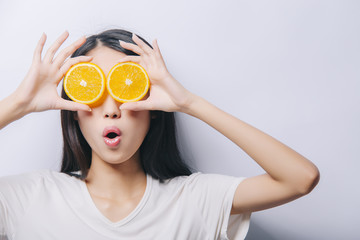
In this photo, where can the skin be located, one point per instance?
(119, 166)
(288, 175)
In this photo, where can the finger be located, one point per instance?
(71, 106)
(156, 48)
(69, 63)
(136, 106)
(65, 53)
(135, 59)
(55, 46)
(39, 48)
(141, 44)
(154, 43)
(131, 47)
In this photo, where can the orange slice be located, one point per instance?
(127, 82)
(84, 83)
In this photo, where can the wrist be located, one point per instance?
(19, 106)
(10, 110)
(190, 104)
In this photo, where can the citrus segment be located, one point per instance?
(84, 83)
(127, 82)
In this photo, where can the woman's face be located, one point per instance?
(114, 135)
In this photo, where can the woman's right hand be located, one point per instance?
(38, 91)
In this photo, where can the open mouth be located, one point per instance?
(112, 136)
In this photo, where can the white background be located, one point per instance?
(289, 68)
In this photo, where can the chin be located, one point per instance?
(115, 159)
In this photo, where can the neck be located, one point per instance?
(124, 180)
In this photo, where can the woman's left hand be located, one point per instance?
(166, 93)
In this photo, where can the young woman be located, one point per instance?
(140, 188)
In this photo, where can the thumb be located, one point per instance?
(72, 106)
(135, 106)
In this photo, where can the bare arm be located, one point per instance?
(38, 91)
(288, 174)
(10, 111)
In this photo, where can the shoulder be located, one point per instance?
(206, 197)
(32, 179)
(17, 191)
(20, 189)
(204, 178)
(24, 178)
(202, 183)
(35, 174)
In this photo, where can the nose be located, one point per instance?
(111, 108)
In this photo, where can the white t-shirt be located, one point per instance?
(47, 204)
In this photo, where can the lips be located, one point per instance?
(111, 136)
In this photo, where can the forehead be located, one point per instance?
(105, 57)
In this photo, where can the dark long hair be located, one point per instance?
(159, 153)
